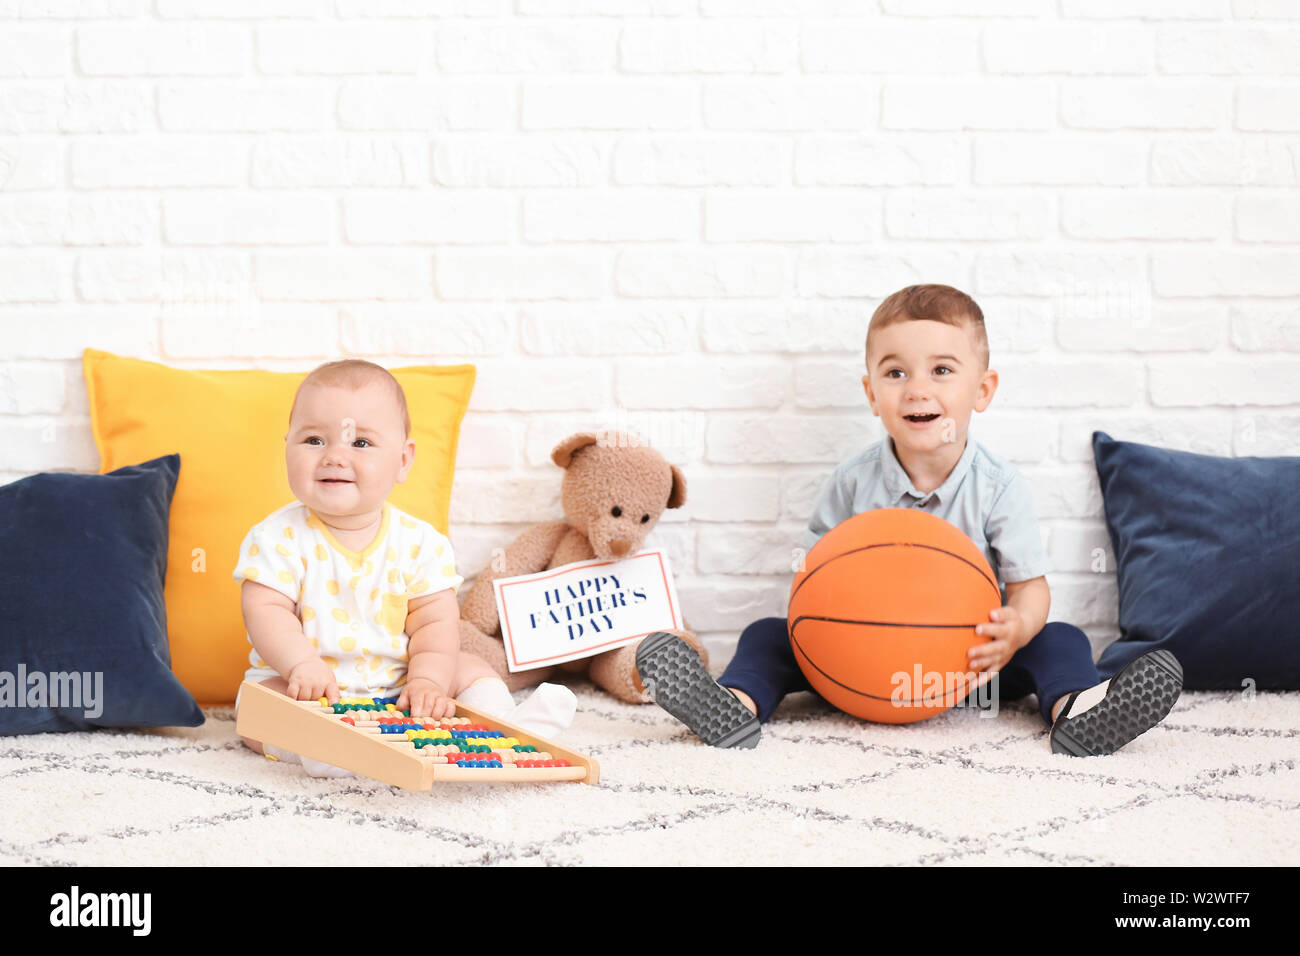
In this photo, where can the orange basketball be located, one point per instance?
(884, 613)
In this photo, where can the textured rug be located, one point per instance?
(1216, 784)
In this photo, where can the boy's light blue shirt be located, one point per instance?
(984, 496)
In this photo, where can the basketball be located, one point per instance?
(884, 612)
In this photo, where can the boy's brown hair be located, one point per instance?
(354, 374)
(938, 303)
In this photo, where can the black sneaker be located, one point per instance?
(1104, 718)
(679, 683)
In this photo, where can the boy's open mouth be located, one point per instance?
(922, 418)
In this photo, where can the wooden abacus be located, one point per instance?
(376, 740)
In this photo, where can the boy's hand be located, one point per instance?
(311, 680)
(1007, 631)
(425, 699)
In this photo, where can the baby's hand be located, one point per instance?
(425, 699)
(1007, 636)
(313, 679)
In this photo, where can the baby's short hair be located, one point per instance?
(938, 303)
(354, 374)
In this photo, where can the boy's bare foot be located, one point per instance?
(679, 683)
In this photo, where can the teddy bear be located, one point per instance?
(613, 492)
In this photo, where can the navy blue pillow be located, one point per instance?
(84, 639)
(1209, 562)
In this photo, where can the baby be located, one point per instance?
(346, 595)
(927, 370)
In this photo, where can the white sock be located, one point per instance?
(489, 695)
(318, 768)
(276, 753)
(546, 712)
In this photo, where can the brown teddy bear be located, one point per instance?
(614, 491)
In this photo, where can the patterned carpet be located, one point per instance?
(1216, 784)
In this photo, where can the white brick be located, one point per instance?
(790, 104)
(518, 161)
(943, 215)
(208, 50)
(1228, 50)
(426, 105)
(869, 161)
(30, 165)
(1205, 432)
(699, 161)
(1083, 550)
(1257, 434)
(83, 107)
(1015, 435)
(342, 48)
(1265, 10)
(514, 386)
(297, 162)
(968, 104)
(296, 332)
(487, 441)
(739, 549)
(1265, 218)
(59, 444)
(1144, 104)
(701, 383)
(1146, 9)
(675, 274)
(604, 8)
(960, 8)
(1084, 602)
(72, 9)
(160, 163)
(1050, 161)
(1015, 325)
(829, 385)
(799, 493)
(611, 216)
(677, 435)
(721, 497)
(797, 328)
(1225, 162)
(77, 220)
(719, 606)
(30, 278)
(836, 274)
(1121, 214)
(1067, 48)
(223, 219)
(443, 217)
(63, 332)
(182, 282)
(1217, 381)
(717, 46)
(241, 9)
(1224, 272)
(1069, 384)
(601, 330)
(423, 8)
(1065, 276)
(787, 439)
(321, 276)
(524, 47)
(1268, 107)
(522, 274)
(607, 103)
(243, 106)
(490, 498)
(424, 330)
(1070, 492)
(1265, 328)
(31, 388)
(882, 46)
(802, 216)
(35, 51)
(1145, 327)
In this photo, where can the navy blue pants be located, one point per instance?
(1058, 660)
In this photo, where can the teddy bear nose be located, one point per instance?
(620, 547)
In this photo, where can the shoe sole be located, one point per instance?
(679, 683)
(1138, 698)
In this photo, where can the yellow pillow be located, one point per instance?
(228, 427)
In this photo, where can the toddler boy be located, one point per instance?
(927, 370)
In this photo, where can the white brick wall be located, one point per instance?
(674, 216)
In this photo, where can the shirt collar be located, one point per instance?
(898, 483)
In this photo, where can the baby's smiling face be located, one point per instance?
(345, 450)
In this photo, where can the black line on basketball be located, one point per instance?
(900, 544)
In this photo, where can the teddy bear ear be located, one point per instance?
(562, 455)
(677, 497)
